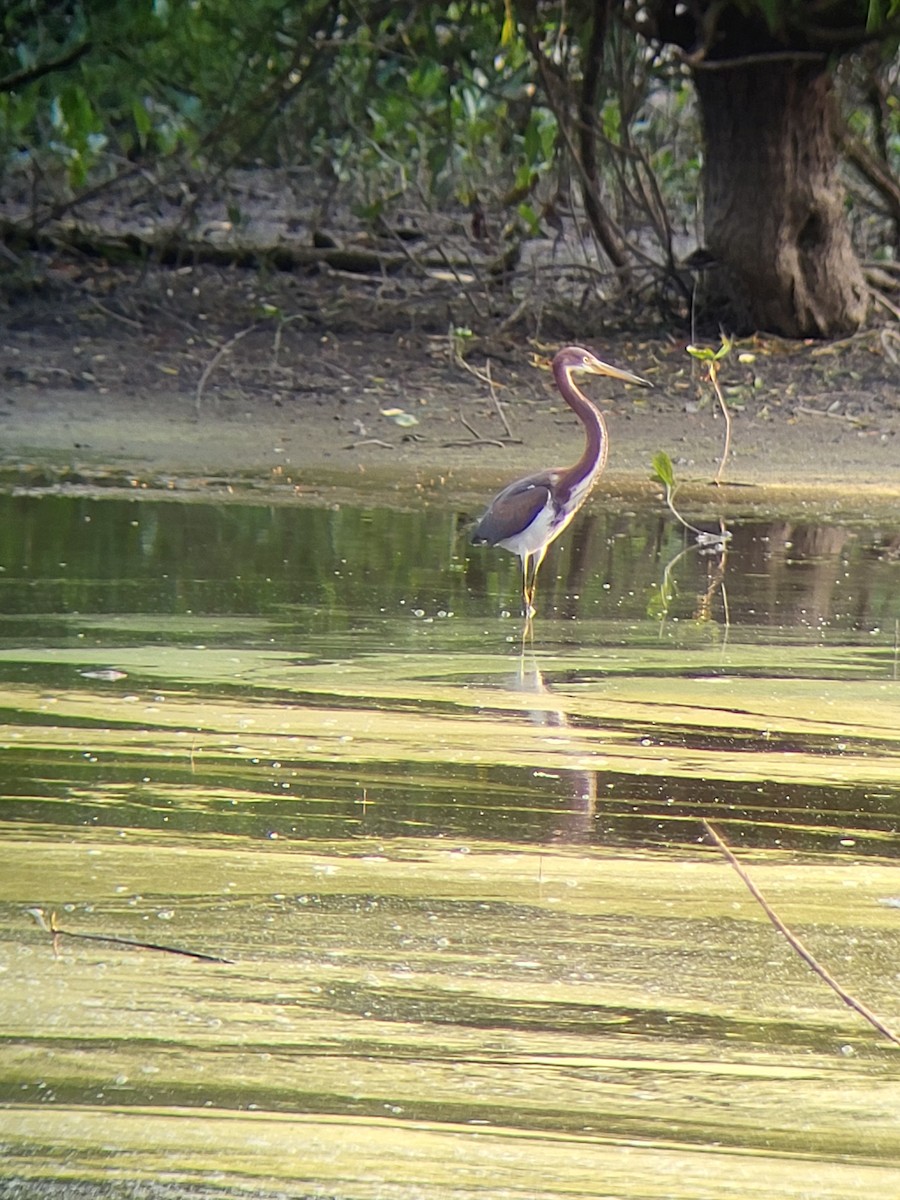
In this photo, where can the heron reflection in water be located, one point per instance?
(532, 512)
(575, 788)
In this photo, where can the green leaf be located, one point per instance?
(508, 32)
(663, 469)
(708, 355)
(531, 219)
(532, 139)
(660, 600)
(141, 118)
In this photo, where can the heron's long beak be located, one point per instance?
(602, 368)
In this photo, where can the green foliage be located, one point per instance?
(475, 103)
(707, 355)
(664, 472)
(383, 99)
(662, 595)
(82, 86)
(879, 13)
(663, 469)
(441, 109)
(440, 99)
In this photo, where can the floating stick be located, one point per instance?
(53, 929)
(794, 941)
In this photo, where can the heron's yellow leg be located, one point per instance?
(526, 593)
(535, 561)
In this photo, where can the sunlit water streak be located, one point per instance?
(480, 946)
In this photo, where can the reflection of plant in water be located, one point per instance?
(716, 583)
(708, 542)
(665, 592)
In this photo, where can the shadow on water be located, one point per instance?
(480, 943)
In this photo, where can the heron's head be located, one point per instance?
(577, 360)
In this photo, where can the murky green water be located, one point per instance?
(478, 942)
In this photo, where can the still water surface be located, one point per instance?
(477, 941)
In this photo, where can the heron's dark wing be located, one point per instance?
(512, 510)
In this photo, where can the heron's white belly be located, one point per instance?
(548, 524)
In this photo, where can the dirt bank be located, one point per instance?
(168, 400)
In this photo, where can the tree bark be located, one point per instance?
(774, 217)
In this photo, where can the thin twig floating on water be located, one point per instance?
(794, 941)
(56, 933)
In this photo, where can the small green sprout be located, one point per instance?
(712, 360)
(664, 472)
(460, 336)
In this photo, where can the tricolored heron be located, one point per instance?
(526, 516)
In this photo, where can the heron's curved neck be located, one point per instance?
(593, 460)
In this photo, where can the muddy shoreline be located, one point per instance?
(89, 401)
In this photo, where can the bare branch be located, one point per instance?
(795, 943)
(216, 359)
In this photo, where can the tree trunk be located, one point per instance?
(774, 216)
